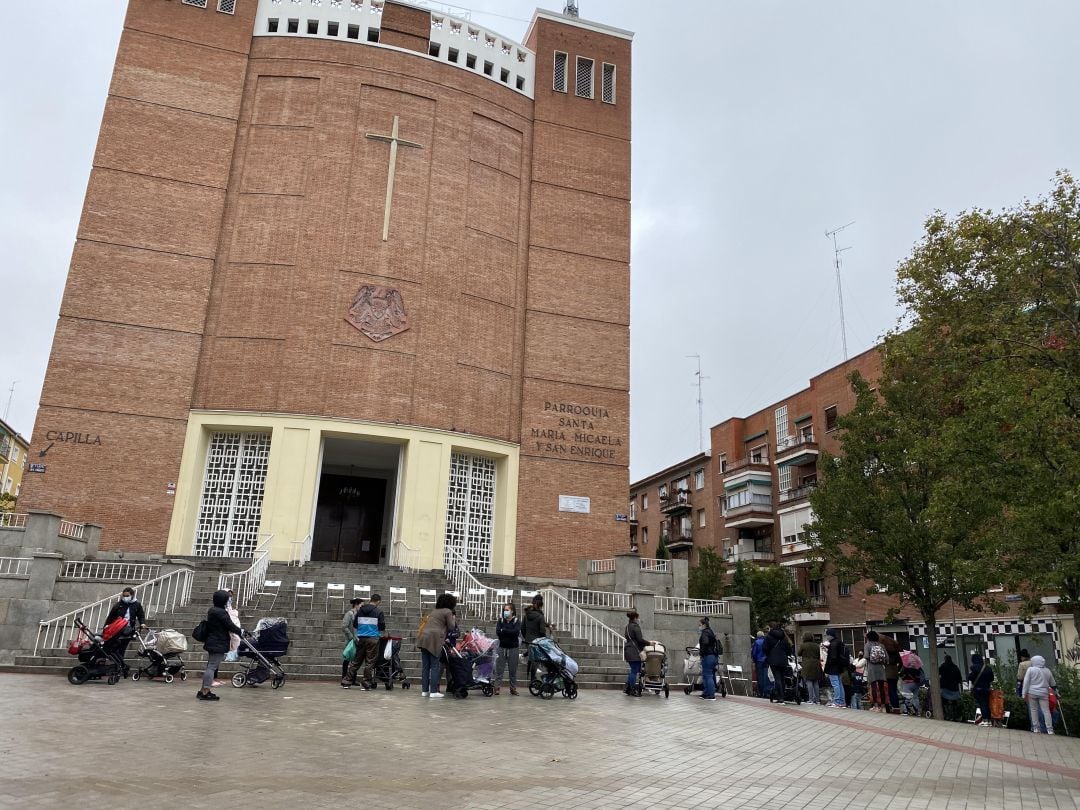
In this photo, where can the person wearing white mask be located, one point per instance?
(127, 607)
(508, 629)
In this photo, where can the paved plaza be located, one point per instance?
(314, 744)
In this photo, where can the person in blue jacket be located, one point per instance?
(757, 652)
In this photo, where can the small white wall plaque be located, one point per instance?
(574, 503)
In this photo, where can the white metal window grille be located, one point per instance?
(226, 6)
(470, 513)
(785, 477)
(558, 82)
(232, 495)
(607, 89)
(781, 425)
(583, 78)
(197, 3)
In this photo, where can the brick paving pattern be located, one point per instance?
(312, 743)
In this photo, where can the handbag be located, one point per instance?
(200, 631)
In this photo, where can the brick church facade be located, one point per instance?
(353, 274)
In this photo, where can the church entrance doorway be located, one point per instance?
(354, 509)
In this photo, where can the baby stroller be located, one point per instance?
(388, 667)
(469, 664)
(793, 687)
(259, 654)
(555, 670)
(97, 657)
(694, 678)
(161, 653)
(652, 677)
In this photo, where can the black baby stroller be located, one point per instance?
(161, 655)
(388, 668)
(97, 658)
(555, 670)
(469, 664)
(793, 689)
(259, 654)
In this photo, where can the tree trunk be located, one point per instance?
(930, 666)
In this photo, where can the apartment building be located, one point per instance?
(13, 454)
(676, 505)
(765, 467)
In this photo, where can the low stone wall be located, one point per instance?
(676, 631)
(628, 577)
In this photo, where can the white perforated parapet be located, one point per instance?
(454, 41)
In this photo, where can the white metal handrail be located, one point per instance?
(15, 566)
(405, 557)
(245, 583)
(72, 530)
(109, 571)
(654, 566)
(602, 566)
(566, 617)
(12, 520)
(456, 569)
(300, 552)
(600, 599)
(161, 595)
(699, 607)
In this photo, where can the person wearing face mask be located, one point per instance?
(508, 629)
(218, 628)
(127, 608)
(234, 640)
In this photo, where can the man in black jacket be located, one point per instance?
(836, 664)
(127, 608)
(218, 628)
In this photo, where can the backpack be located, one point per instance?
(200, 631)
(878, 654)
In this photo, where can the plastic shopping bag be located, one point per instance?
(388, 651)
(349, 653)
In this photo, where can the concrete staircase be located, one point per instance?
(315, 636)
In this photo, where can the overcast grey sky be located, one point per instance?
(758, 125)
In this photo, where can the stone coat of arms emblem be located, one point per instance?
(378, 312)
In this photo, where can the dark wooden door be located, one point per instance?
(348, 519)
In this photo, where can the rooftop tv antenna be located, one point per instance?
(700, 417)
(11, 396)
(837, 250)
(570, 9)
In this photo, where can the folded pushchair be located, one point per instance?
(470, 663)
(555, 671)
(161, 655)
(259, 654)
(388, 664)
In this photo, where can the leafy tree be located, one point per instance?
(7, 502)
(997, 297)
(662, 551)
(961, 472)
(773, 595)
(706, 579)
(894, 508)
